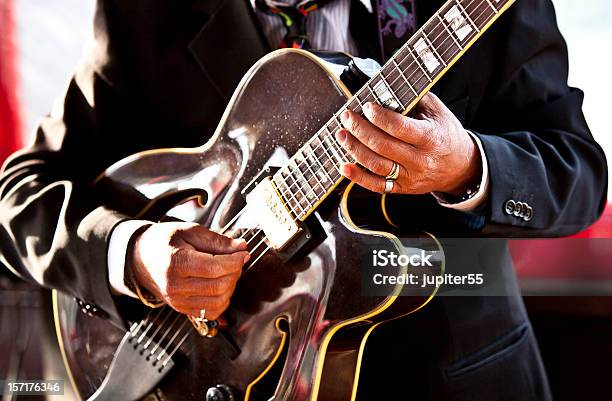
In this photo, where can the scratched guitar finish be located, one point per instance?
(297, 324)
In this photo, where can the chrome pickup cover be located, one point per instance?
(271, 213)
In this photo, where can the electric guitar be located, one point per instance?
(298, 324)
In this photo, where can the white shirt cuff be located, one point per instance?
(483, 192)
(117, 254)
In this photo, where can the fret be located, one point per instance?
(456, 22)
(332, 170)
(314, 176)
(462, 10)
(480, 12)
(433, 48)
(358, 101)
(360, 93)
(492, 6)
(330, 158)
(416, 59)
(293, 202)
(413, 71)
(324, 177)
(399, 83)
(338, 150)
(393, 93)
(304, 182)
(296, 190)
(443, 24)
(298, 185)
(332, 149)
(337, 117)
(357, 108)
(401, 73)
(372, 92)
(386, 95)
(423, 53)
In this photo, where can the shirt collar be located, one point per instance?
(366, 3)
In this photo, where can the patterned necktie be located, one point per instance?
(294, 19)
(397, 23)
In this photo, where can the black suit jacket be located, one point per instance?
(160, 74)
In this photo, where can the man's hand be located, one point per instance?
(434, 152)
(189, 267)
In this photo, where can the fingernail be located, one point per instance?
(247, 257)
(345, 116)
(341, 135)
(344, 169)
(367, 108)
(238, 242)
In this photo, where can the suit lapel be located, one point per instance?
(228, 44)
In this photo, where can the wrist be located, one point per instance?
(470, 172)
(137, 276)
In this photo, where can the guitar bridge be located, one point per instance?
(272, 214)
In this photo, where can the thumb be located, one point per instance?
(204, 240)
(429, 105)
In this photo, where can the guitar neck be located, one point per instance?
(314, 171)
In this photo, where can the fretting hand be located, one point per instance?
(433, 150)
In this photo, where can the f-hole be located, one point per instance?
(266, 387)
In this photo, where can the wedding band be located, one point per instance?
(394, 173)
(389, 183)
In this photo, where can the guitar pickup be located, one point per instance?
(272, 214)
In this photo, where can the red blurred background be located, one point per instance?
(10, 131)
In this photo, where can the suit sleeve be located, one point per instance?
(53, 226)
(537, 143)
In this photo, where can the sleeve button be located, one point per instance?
(510, 206)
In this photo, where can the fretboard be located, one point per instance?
(314, 171)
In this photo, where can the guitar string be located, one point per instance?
(176, 333)
(149, 327)
(152, 336)
(165, 334)
(176, 348)
(136, 326)
(367, 86)
(354, 97)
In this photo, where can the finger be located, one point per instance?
(372, 137)
(406, 129)
(366, 179)
(195, 286)
(364, 155)
(205, 240)
(189, 263)
(213, 306)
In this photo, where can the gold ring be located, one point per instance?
(394, 173)
(200, 323)
(389, 183)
